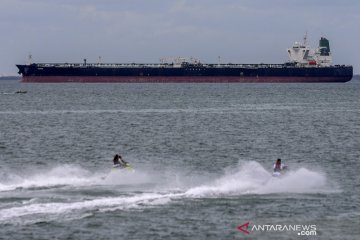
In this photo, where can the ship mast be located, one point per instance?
(30, 59)
(305, 39)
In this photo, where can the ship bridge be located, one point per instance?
(302, 54)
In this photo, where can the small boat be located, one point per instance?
(21, 91)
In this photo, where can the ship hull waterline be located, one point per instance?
(184, 79)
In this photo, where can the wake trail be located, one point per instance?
(253, 178)
(248, 178)
(64, 175)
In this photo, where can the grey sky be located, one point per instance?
(252, 31)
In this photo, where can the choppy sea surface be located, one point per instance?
(202, 156)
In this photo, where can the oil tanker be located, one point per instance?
(305, 65)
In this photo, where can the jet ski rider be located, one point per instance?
(278, 166)
(119, 161)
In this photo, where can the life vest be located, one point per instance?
(278, 167)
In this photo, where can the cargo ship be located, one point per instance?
(305, 65)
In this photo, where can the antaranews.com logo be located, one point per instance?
(301, 230)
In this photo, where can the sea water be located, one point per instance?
(202, 156)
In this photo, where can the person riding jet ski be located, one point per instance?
(119, 162)
(279, 167)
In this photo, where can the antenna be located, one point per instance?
(30, 59)
(305, 39)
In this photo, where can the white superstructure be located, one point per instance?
(302, 54)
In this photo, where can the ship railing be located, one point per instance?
(154, 65)
(107, 65)
(172, 65)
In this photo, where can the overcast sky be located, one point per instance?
(249, 31)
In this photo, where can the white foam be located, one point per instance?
(101, 204)
(298, 181)
(252, 178)
(71, 175)
(247, 178)
(60, 175)
(126, 177)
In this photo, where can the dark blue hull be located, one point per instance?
(183, 73)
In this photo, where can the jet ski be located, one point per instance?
(281, 172)
(276, 174)
(127, 166)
